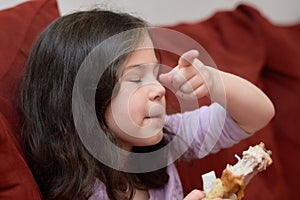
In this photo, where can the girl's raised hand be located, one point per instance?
(190, 79)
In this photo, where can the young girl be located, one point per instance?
(130, 108)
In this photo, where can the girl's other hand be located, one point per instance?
(197, 195)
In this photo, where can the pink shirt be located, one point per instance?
(210, 128)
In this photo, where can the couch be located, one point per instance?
(241, 41)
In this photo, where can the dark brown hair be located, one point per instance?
(61, 165)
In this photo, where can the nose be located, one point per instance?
(157, 92)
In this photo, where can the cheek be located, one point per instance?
(120, 104)
(131, 102)
(126, 112)
(137, 109)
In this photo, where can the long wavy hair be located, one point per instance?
(61, 165)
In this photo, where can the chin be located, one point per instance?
(151, 140)
(157, 138)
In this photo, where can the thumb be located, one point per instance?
(187, 58)
(195, 195)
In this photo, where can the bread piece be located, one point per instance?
(218, 191)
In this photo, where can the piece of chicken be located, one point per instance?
(235, 178)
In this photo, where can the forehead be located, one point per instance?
(143, 54)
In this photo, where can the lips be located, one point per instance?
(156, 117)
(156, 111)
(157, 120)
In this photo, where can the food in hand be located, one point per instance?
(234, 178)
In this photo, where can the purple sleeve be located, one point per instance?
(99, 191)
(205, 130)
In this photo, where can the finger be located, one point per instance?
(178, 79)
(195, 195)
(187, 72)
(187, 58)
(189, 78)
(183, 75)
(199, 93)
(197, 63)
(192, 84)
(174, 79)
(167, 78)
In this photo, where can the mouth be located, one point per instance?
(155, 119)
(156, 113)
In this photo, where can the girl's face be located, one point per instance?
(136, 114)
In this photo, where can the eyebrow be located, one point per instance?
(156, 64)
(130, 67)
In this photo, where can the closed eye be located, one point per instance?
(136, 80)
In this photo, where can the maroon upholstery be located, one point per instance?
(19, 27)
(245, 43)
(241, 41)
(16, 181)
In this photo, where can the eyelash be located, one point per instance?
(136, 81)
(139, 80)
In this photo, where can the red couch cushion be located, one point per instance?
(20, 26)
(245, 43)
(16, 180)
